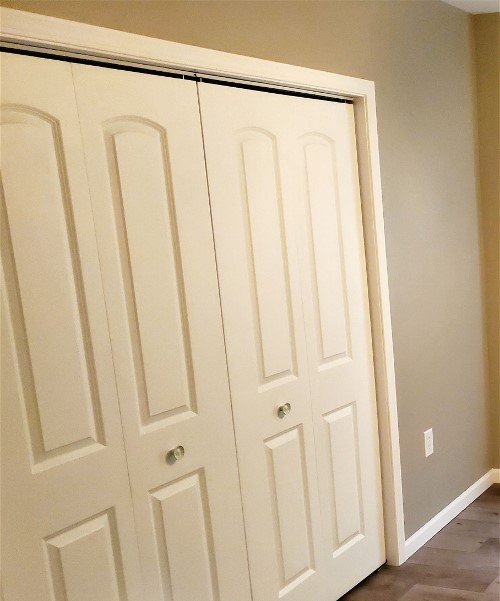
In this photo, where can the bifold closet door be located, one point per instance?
(144, 153)
(337, 320)
(282, 175)
(254, 220)
(68, 529)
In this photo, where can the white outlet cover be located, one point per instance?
(428, 442)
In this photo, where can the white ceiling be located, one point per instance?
(476, 6)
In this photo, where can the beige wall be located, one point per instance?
(418, 53)
(486, 29)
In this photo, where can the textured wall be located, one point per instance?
(419, 55)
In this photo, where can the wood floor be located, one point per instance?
(461, 563)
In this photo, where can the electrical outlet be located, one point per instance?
(429, 442)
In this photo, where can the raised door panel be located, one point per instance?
(254, 225)
(184, 537)
(85, 562)
(336, 312)
(347, 509)
(271, 286)
(151, 268)
(290, 502)
(144, 154)
(332, 322)
(41, 228)
(63, 458)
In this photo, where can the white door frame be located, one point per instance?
(69, 37)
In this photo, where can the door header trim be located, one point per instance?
(62, 36)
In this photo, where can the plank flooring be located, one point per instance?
(461, 563)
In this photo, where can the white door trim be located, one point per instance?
(88, 40)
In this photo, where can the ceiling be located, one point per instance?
(476, 6)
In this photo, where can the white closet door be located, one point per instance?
(283, 187)
(144, 153)
(67, 521)
(252, 191)
(335, 294)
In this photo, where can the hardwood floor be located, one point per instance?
(461, 563)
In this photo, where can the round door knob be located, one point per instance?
(175, 454)
(284, 410)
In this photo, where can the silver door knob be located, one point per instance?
(175, 454)
(284, 410)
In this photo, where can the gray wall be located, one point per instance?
(487, 68)
(419, 55)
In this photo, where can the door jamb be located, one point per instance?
(52, 34)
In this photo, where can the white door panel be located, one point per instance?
(341, 371)
(144, 154)
(254, 225)
(283, 185)
(67, 528)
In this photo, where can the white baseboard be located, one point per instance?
(444, 517)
